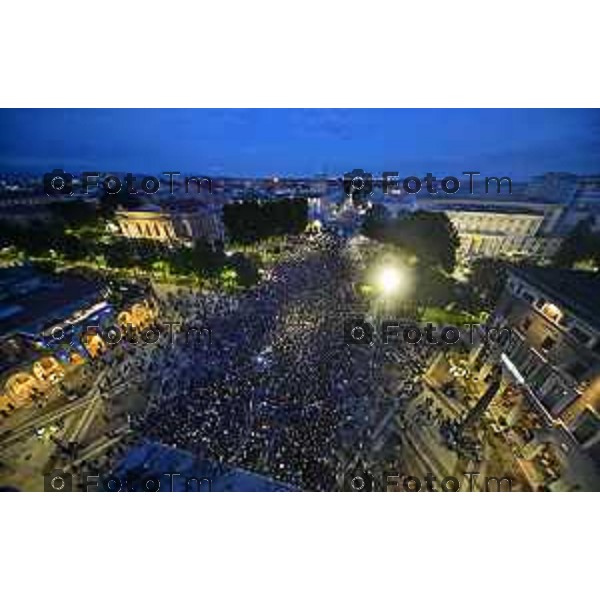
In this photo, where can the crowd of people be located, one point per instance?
(277, 390)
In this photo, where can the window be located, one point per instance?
(527, 296)
(520, 355)
(548, 344)
(577, 370)
(526, 323)
(540, 302)
(552, 311)
(587, 426)
(541, 376)
(513, 342)
(553, 396)
(564, 321)
(530, 364)
(580, 336)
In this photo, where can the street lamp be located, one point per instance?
(389, 280)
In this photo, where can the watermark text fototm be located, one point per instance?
(59, 183)
(114, 334)
(361, 182)
(62, 481)
(396, 482)
(361, 331)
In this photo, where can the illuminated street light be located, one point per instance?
(389, 280)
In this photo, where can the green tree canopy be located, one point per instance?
(74, 213)
(430, 236)
(252, 220)
(582, 243)
(375, 222)
(487, 281)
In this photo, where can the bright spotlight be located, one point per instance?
(388, 280)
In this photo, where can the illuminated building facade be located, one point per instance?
(551, 366)
(502, 229)
(171, 223)
(47, 328)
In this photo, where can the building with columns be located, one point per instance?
(173, 222)
(502, 228)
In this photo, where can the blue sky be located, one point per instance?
(246, 142)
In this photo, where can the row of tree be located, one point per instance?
(253, 220)
(51, 240)
(40, 238)
(199, 260)
(69, 228)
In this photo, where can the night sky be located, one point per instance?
(246, 142)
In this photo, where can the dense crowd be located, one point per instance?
(277, 389)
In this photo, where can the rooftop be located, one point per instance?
(171, 205)
(32, 300)
(502, 206)
(152, 460)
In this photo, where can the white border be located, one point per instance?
(297, 545)
(515, 53)
(351, 54)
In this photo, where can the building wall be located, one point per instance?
(499, 234)
(474, 245)
(557, 352)
(550, 386)
(170, 227)
(146, 225)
